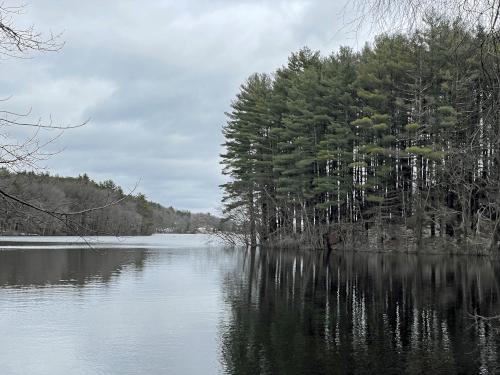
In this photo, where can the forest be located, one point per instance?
(53, 205)
(395, 146)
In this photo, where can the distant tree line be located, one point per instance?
(396, 144)
(112, 211)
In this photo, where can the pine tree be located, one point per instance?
(248, 153)
(404, 134)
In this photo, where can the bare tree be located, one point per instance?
(399, 15)
(17, 153)
(21, 42)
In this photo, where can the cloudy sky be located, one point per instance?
(155, 78)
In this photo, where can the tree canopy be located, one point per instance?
(404, 134)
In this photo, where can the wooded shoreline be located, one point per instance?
(112, 211)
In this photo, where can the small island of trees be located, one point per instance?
(393, 147)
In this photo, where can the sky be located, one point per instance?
(154, 79)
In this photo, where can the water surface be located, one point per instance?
(174, 304)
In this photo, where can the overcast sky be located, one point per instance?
(155, 78)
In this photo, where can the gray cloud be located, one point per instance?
(155, 78)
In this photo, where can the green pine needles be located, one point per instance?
(403, 134)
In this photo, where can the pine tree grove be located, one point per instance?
(395, 145)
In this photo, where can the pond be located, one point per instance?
(178, 304)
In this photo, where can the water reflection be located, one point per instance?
(294, 313)
(179, 311)
(111, 311)
(21, 268)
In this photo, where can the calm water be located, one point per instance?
(174, 304)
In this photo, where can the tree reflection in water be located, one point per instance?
(294, 313)
(43, 267)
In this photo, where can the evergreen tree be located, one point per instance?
(402, 137)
